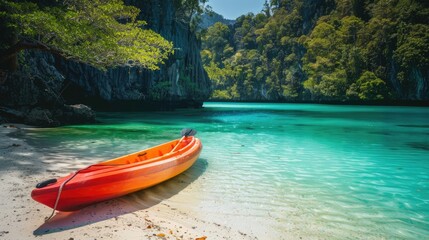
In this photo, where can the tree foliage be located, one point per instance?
(331, 50)
(102, 33)
(189, 12)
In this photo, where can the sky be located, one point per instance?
(231, 9)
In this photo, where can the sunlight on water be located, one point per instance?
(297, 170)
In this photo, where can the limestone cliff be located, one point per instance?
(48, 87)
(32, 95)
(182, 80)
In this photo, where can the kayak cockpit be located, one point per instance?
(159, 152)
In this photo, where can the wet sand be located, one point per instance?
(141, 215)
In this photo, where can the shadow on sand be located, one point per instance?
(124, 205)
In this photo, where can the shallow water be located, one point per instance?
(279, 170)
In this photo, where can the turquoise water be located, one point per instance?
(285, 170)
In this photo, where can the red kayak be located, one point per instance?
(119, 176)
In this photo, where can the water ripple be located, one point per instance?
(317, 172)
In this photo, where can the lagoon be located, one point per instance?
(277, 171)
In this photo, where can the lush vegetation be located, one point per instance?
(102, 33)
(327, 50)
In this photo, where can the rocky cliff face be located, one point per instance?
(48, 91)
(48, 88)
(32, 95)
(181, 81)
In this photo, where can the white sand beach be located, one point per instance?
(135, 216)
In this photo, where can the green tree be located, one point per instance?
(217, 40)
(368, 87)
(223, 86)
(102, 33)
(333, 50)
(189, 12)
(412, 55)
(413, 47)
(322, 62)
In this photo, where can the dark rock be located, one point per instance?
(32, 95)
(181, 79)
(44, 117)
(11, 112)
(45, 88)
(78, 113)
(40, 117)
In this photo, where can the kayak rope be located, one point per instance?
(60, 190)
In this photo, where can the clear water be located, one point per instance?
(281, 170)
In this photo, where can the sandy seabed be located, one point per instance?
(135, 216)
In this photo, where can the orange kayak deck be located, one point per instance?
(120, 176)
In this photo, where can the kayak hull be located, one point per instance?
(120, 176)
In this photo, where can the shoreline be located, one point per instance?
(138, 215)
(385, 103)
